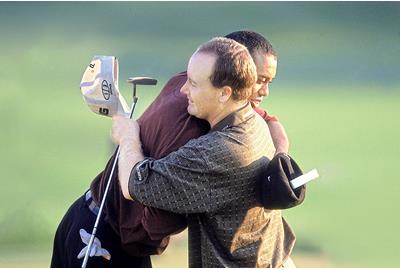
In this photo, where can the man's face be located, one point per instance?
(202, 95)
(266, 65)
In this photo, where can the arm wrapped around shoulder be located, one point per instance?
(276, 191)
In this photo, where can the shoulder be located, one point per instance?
(208, 145)
(265, 115)
(174, 85)
(179, 78)
(254, 126)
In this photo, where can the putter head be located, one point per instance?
(142, 81)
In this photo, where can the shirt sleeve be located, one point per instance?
(264, 114)
(178, 183)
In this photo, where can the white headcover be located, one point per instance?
(99, 87)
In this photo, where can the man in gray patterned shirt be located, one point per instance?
(213, 179)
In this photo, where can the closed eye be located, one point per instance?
(192, 83)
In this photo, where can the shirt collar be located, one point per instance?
(235, 118)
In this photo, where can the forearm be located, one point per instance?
(279, 137)
(130, 154)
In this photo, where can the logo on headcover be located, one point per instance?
(104, 111)
(106, 90)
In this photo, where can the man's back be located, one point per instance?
(240, 232)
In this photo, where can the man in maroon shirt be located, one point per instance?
(130, 232)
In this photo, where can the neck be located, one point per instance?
(225, 111)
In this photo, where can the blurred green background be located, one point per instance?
(336, 92)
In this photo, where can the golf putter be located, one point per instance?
(135, 81)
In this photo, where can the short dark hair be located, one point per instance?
(253, 41)
(234, 66)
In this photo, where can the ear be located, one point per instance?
(225, 94)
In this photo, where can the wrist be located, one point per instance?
(281, 151)
(130, 141)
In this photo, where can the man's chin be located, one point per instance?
(190, 111)
(255, 104)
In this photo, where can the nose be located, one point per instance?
(184, 88)
(264, 90)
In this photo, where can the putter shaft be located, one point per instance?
(84, 263)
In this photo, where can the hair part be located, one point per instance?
(233, 67)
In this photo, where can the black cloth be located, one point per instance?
(276, 192)
(68, 243)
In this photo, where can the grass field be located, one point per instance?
(337, 93)
(345, 218)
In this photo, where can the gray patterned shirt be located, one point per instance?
(215, 180)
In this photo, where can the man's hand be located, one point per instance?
(124, 129)
(125, 132)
